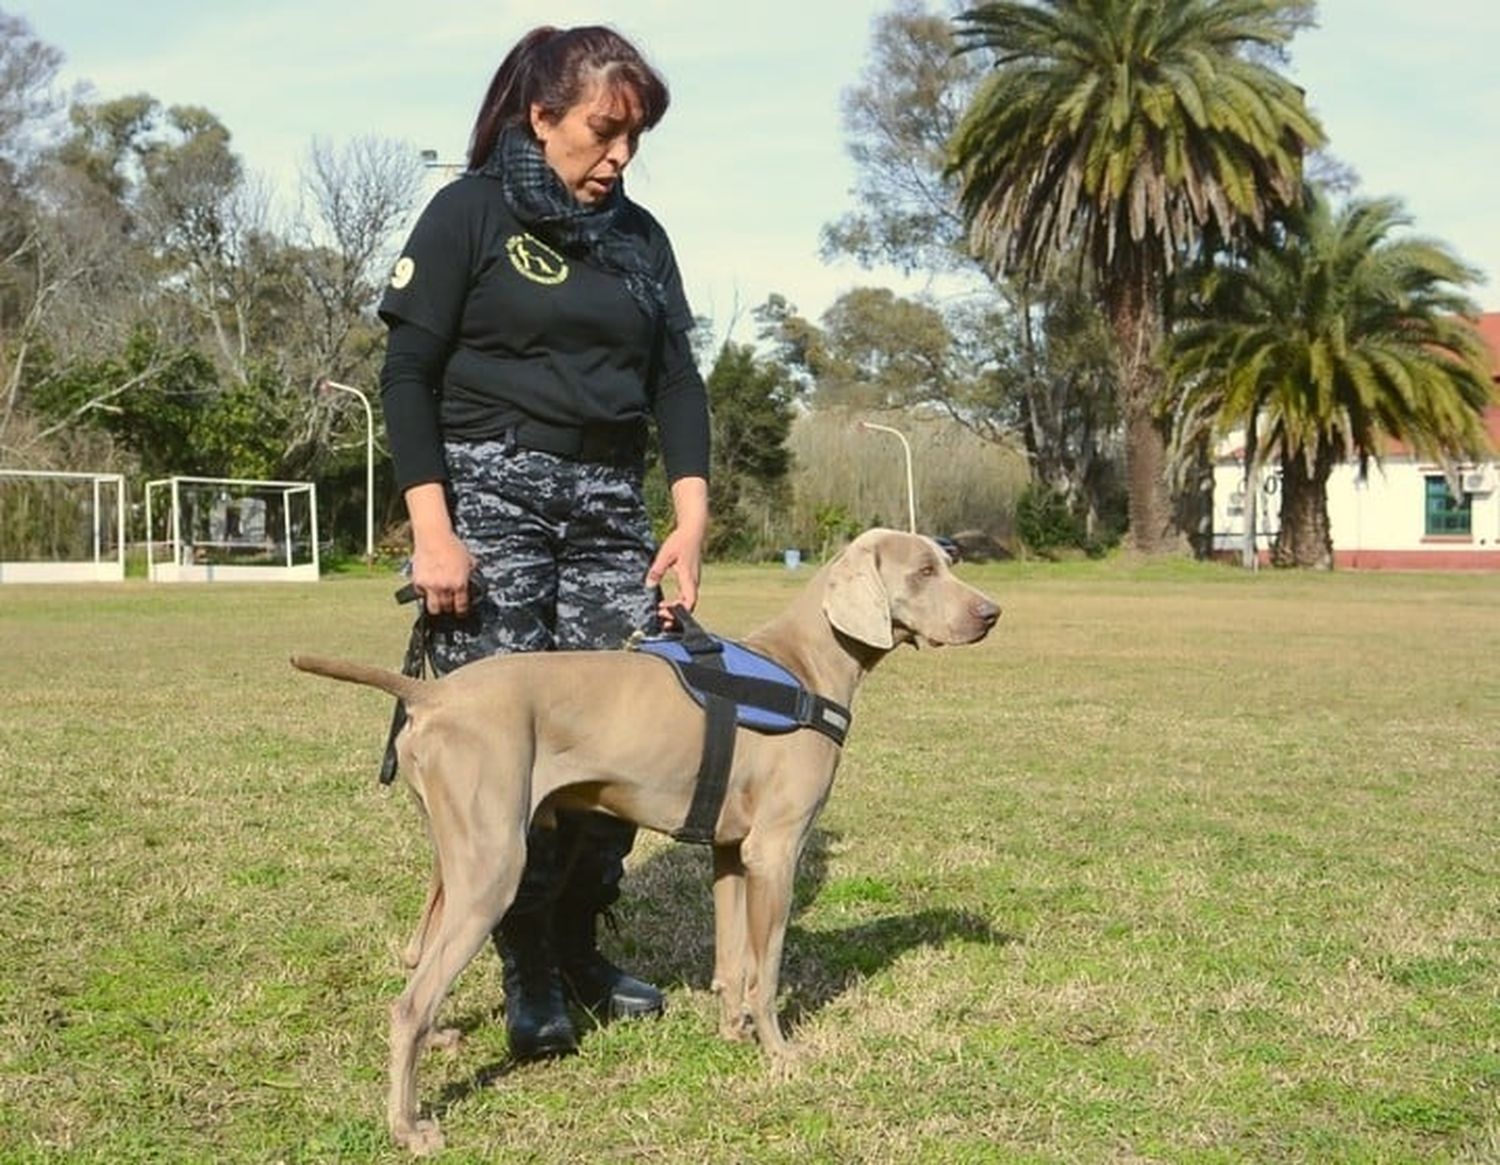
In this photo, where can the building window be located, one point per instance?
(1448, 514)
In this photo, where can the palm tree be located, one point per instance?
(1131, 134)
(1329, 340)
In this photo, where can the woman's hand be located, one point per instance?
(681, 553)
(441, 564)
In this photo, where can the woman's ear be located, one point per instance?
(539, 122)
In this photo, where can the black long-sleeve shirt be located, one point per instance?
(488, 322)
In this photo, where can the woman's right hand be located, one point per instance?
(440, 570)
(441, 564)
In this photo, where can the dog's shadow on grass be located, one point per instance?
(663, 932)
(666, 933)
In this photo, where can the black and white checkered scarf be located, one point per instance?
(543, 204)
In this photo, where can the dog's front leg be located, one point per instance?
(729, 941)
(769, 872)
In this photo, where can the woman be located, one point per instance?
(537, 318)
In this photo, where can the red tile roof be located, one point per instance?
(1488, 326)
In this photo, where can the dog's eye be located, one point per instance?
(928, 570)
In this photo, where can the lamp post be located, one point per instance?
(911, 491)
(431, 161)
(324, 385)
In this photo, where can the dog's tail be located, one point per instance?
(404, 688)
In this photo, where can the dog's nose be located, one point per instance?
(987, 612)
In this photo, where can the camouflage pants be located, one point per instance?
(562, 548)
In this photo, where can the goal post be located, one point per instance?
(58, 526)
(230, 529)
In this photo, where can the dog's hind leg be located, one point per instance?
(432, 908)
(729, 941)
(432, 911)
(477, 803)
(447, 1038)
(475, 901)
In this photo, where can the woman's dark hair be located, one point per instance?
(552, 67)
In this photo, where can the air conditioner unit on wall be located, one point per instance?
(1479, 481)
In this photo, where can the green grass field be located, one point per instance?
(1181, 865)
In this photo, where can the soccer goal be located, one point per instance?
(229, 529)
(61, 527)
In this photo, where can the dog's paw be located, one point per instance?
(444, 1039)
(736, 1027)
(784, 1064)
(421, 1139)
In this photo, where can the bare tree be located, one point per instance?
(360, 194)
(28, 68)
(898, 120)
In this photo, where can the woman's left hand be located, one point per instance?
(681, 554)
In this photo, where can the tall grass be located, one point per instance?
(1181, 865)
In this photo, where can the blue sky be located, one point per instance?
(750, 161)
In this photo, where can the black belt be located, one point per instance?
(620, 443)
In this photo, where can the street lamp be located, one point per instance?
(430, 161)
(324, 385)
(911, 491)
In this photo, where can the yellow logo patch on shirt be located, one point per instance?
(401, 275)
(535, 260)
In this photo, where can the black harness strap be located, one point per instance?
(697, 642)
(712, 782)
(713, 773)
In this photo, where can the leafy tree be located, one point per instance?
(146, 294)
(1040, 369)
(882, 350)
(751, 417)
(1125, 135)
(1056, 366)
(1048, 382)
(873, 350)
(1332, 337)
(27, 70)
(151, 399)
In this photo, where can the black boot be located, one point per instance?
(536, 1014)
(591, 980)
(593, 848)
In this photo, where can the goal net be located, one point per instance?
(61, 527)
(207, 529)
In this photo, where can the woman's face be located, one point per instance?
(590, 145)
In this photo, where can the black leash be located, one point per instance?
(418, 663)
(415, 664)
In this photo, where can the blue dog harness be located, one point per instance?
(735, 687)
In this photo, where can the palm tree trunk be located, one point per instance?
(1306, 538)
(1135, 318)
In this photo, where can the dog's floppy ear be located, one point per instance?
(855, 600)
